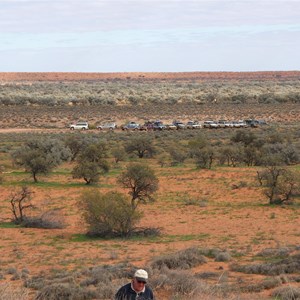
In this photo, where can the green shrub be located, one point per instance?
(108, 214)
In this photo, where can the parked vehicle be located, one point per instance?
(179, 125)
(252, 123)
(243, 124)
(193, 125)
(222, 123)
(210, 124)
(236, 124)
(228, 124)
(158, 125)
(170, 127)
(81, 125)
(107, 126)
(131, 126)
(147, 126)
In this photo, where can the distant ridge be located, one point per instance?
(77, 76)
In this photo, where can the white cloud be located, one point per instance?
(185, 30)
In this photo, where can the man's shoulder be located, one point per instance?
(126, 287)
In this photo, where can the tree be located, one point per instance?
(204, 157)
(95, 152)
(280, 184)
(141, 182)
(231, 155)
(91, 163)
(119, 154)
(20, 201)
(89, 171)
(177, 154)
(109, 214)
(201, 151)
(141, 146)
(41, 156)
(75, 143)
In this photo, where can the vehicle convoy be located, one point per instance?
(107, 126)
(176, 125)
(81, 125)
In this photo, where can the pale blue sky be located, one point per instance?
(149, 35)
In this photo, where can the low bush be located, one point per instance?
(223, 256)
(9, 292)
(287, 293)
(284, 266)
(266, 284)
(275, 252)
(51, 219)
(185, 259)
(66, 292)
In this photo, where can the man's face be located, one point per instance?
(138, 285)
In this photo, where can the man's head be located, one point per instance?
(140, 278)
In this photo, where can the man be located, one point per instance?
(136, 289)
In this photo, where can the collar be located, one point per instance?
(142, 291)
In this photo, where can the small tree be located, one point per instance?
(204, 157)
(91, 163)
(119, 154)
(141, 182)
(231, 155)
(89, 171)
(280, 184)
(20, 201)
(109, 214)
(76, 144)
(141, 146)
(41, 156)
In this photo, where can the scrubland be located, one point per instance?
(211, 232)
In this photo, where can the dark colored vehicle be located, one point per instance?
(147, 126)
(252, 123)
(158, 125)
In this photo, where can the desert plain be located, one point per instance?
(217, 210)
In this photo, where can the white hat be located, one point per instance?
(141, 275)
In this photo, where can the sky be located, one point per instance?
(149, 35)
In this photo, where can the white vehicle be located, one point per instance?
(242, 123)
(210, 124)
(107, 126)
(193, 125)
(131, 126)
(80, 126)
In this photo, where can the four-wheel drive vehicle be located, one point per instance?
(222, 123)
(158, 125)
(252, 123)
(179, 125)
(131, 126)
(210, 124)
(239, 124)
(147, 126)
(80, 125)
(193, 125)
(107, 126)
(171, 127)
